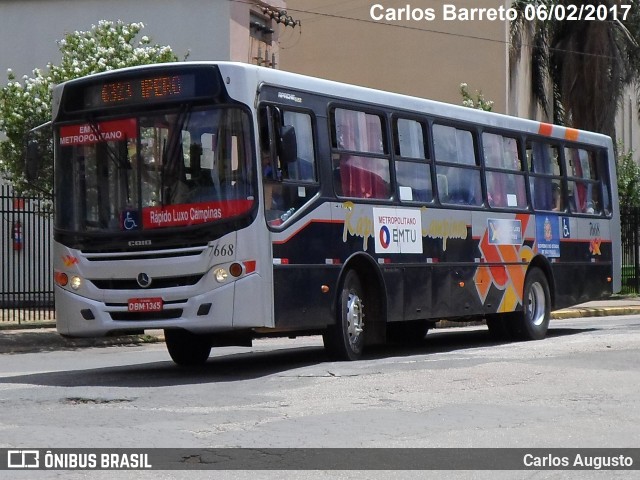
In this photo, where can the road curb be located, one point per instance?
(43, 337)
(47, 340)
(563, 314)
(594, 312)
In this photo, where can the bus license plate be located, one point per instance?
(145, 304)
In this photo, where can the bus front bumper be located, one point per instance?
(210, 312)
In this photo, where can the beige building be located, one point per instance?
(392, 45)
(374, 44)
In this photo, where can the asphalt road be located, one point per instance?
(577, 388)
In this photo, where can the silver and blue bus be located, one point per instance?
(223, 202)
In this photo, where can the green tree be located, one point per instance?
(26, 104)
(476, 101)
(580, 69)
(628, 179)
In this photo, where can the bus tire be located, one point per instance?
(345, 339)
(187, 349)
(533, 322)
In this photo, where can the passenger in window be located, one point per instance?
(591, 205)
(556, 198)
(268, 171)
(496, 189)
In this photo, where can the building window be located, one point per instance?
(261, 34)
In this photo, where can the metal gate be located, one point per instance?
(26, 282)
(630, 226)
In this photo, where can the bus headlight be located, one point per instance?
(221, 275)
(75, 283)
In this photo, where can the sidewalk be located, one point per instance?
(601, 308)
(26, 338)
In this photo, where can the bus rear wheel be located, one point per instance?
(533, 322)
(345, 339)
(187, 349)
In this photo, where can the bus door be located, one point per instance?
(288, 162)
(290, 184)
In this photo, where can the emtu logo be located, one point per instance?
(399, 230)
(385, 237)
(23, 459)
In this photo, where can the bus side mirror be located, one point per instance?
(287, 144)
(32, 161)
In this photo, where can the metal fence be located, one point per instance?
(630, 226)
(26, 282)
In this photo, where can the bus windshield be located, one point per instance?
(171, 169)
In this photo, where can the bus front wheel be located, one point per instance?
(345, 339)
(533, 322)
(187, 349)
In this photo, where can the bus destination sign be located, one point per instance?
(140, 91)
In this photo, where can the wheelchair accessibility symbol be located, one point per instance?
(130, 220)
(566, 228)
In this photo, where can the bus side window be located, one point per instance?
(583, 182)
(456, 160)
(358, 175)
(601, 168)
(303, 169)
(545, 172)
(504, 173)
(413, 170)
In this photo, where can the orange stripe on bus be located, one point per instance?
(545, 129)
(571, 134)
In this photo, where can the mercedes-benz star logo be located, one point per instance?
(144, 280)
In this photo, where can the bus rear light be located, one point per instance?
(61, 278)
(236, 269)
(609, 279)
